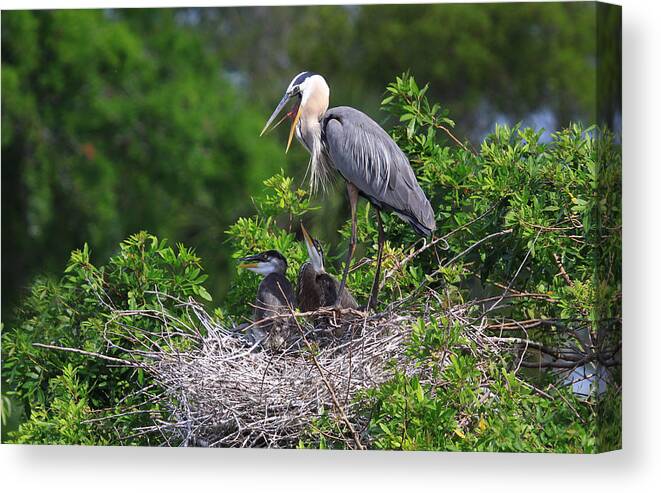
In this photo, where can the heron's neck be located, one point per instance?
(313, 108)
(309, 131)
(308, 289)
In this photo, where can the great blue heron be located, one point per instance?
(316, 288)
(274, 295)
(346, 140)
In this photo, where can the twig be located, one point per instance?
(87, 353)
(456, 141)
(511, 283)
(476, 244)
(432, 243)
(563, 272)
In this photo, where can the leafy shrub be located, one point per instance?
(461, 412)
(63, 420)
(74, 313)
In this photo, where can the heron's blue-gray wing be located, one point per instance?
(366, 156)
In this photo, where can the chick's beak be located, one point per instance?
(307, 237)
(314, 255)
(249, 262)
(252, 265)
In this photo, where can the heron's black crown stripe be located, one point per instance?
(303, 76)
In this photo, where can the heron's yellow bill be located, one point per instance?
(293, 127)
(306, 236)
(252, 265)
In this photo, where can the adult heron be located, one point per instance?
(315, 287)
(348, 141)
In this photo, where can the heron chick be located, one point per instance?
(315, 287)
(348, 141)
(274, 295)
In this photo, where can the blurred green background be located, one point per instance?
(114, 121)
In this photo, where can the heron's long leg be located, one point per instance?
(353, 201)
(374, 293)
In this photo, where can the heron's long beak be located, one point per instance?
(275, 113)
(249, 262)
(293, 127)
(315, 257)
(306, 237)
(252, 265)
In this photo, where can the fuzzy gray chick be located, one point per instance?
(275, 294)
(315, 287)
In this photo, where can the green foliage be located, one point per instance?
(282, 198)
(63, 421)
(5, 410)
(114, 122)
(546, 193)
(485, 60)
(458, 412)
(75, 312)
(471, 61)
(608, 422)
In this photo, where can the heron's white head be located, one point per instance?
(265, 263)
(311, 94)
(315, 252)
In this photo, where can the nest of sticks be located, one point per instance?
(223, 389)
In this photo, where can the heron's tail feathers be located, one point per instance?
(423, 229)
